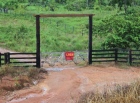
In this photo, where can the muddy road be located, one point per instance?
(66, 86)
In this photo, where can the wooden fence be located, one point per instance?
(116, 55)
(18, 59)
(112, 55)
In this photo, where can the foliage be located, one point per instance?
(76, 5)
(17, 27)
(124, 3)
(7, 5)
(120, 30)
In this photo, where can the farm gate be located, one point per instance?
(62, 15)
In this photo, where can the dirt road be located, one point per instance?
(67, 85)
(2, 50)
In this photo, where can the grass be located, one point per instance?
(120, 94)
(63, 37)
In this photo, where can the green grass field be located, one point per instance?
(57, 34)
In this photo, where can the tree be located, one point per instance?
(122, 3)
(61, 1)
(8, 5)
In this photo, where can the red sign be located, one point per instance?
(69, 55)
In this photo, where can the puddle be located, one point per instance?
(24, 98)
(54, 69)
(57, 69)
(44, 92)
(19, 100)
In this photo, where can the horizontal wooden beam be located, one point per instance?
(64, 15)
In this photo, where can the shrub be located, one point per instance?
(120, 94)
(121, 31)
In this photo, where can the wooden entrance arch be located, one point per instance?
(38, 64)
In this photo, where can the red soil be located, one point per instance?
(68, 85)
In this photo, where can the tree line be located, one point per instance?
(74, 5)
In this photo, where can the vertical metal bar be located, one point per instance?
(90, 40)
(38, 41)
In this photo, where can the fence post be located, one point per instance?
(116, 55)
(0, 59)
(8, 57)
(90, 41)
(5, 58)
(38, 64)
(130, 57)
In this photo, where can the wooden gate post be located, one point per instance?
(90, 40)
(38, 41)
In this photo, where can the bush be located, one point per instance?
(133, 10)
(121, 31)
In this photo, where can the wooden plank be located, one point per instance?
(135, 54)
(64, 15)
(122, 61)
(22, 53)
(25, 62)
(102, 57)
(103, 54)
(135, 58)
(103, 50)
(122, 53)
(122, 57)
(26, 66)
(23, 58)
(135, 50)
(136, 62)
(103, 61)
